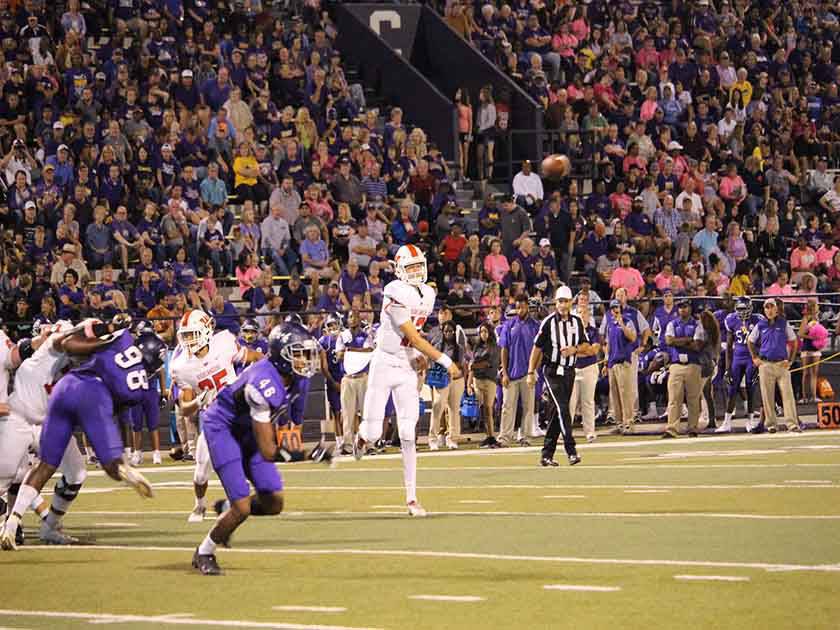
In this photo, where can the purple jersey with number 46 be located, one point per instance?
(259, 394)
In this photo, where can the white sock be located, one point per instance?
(409, 460)
(26, 495)
(201, 503)
(727, 418)
(127, 452)
(207, 546)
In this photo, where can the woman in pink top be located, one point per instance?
(666, 279)
(564, 42)
(247, 272)
(732, 188)
(465, 127)
(495, 263)
(781, 286)
(803, 258)
(649, 105)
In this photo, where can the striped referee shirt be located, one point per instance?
(556, 333)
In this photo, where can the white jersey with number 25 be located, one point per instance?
(213, 371)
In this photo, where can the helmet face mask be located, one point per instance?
(294, 351)
(303, 357)
(744, 309)
(250, 331)
(332, 326)
(410, 265)
(195, 332)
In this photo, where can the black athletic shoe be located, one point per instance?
(19, 537)
(487, 442)
(692, 434)
(221, 506)
(206, 563)
(547, 461)
(574, 459)
(667, 435)
(176, 453)
(188, 457)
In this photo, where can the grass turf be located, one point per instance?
(636, 513)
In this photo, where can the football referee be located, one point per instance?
(560, 339)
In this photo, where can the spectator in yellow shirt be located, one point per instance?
(246, 170)
(743, 86)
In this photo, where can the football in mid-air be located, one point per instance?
(556, 166)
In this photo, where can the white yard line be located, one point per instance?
(647, 491)
(582, 588)
(401, 511)
(318, 609)
(170, 620)
(460, 555)
(712, 578)
(806, 481)
(652, 443)
(448, 598)
(564, 496)
(116, 524)
(476, 501)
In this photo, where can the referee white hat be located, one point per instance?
(563, 293)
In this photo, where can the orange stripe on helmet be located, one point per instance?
(186, 318)
(412, 249)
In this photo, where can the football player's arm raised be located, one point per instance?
(415, 339)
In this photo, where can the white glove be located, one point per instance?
(205, 397)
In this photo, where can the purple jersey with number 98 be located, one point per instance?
(119, 366)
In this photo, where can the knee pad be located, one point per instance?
(66, 490)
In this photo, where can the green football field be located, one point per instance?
(718, 532)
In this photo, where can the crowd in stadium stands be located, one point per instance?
(154, 149)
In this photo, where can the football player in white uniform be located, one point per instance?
(401, 351)
(202, 365)
(20, 433)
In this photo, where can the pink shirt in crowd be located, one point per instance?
(627, 278)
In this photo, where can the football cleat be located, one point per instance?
(451, 444)
(574, 459)
(415, 509)
(358, 447)
(156, 460)
(547, 462)
(176, 453)
(136, 480)
(50, 536)
(206, 563)
(197, 515)
(433, 444)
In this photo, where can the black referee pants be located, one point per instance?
(558, 389)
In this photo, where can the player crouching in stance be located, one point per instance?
(115, 374)
(239, 427)
(407, 302)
